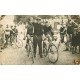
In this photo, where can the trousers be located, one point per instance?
(37, 40)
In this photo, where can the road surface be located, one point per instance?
(12, 55)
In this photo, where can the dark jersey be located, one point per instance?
(47, 30)
(62, 30)
(30, 29)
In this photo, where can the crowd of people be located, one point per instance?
(43, 31)
(7, 36)
(72, 34)
(39, 30)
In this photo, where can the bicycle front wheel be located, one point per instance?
(53, 54)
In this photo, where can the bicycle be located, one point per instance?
(51, 51)
(17, 42)
(29, 47)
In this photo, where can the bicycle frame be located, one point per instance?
(29, 49)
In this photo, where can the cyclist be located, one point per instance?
(7, 33)
(48, 33)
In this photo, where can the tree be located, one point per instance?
(22, 18)
(45, 16)
(76, 18)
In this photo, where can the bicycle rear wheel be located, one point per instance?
(53, 53)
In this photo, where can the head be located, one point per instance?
(55, 38)
(69, 20)
(31, 19)
(38, 20)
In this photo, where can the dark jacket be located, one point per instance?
(78, 38)
(30, 29)
(62, 31)
(48, 30)
(70, 28)
(38, 29)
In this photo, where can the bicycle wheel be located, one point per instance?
(53, 53)
(45, 49)
(19, 43)
(29, 50)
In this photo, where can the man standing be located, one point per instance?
(15, 33)
(70, 29)
(70, 34)
(62, 33)
(7, 34)
(37, 38)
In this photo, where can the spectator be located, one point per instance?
(11, 35)
(7, 34)
(62, 33)
(78, 38)
(1, 37)
(15, 33)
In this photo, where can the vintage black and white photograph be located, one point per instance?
(39, 39)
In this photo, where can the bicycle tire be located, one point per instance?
(29, 50)
(53, 55)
